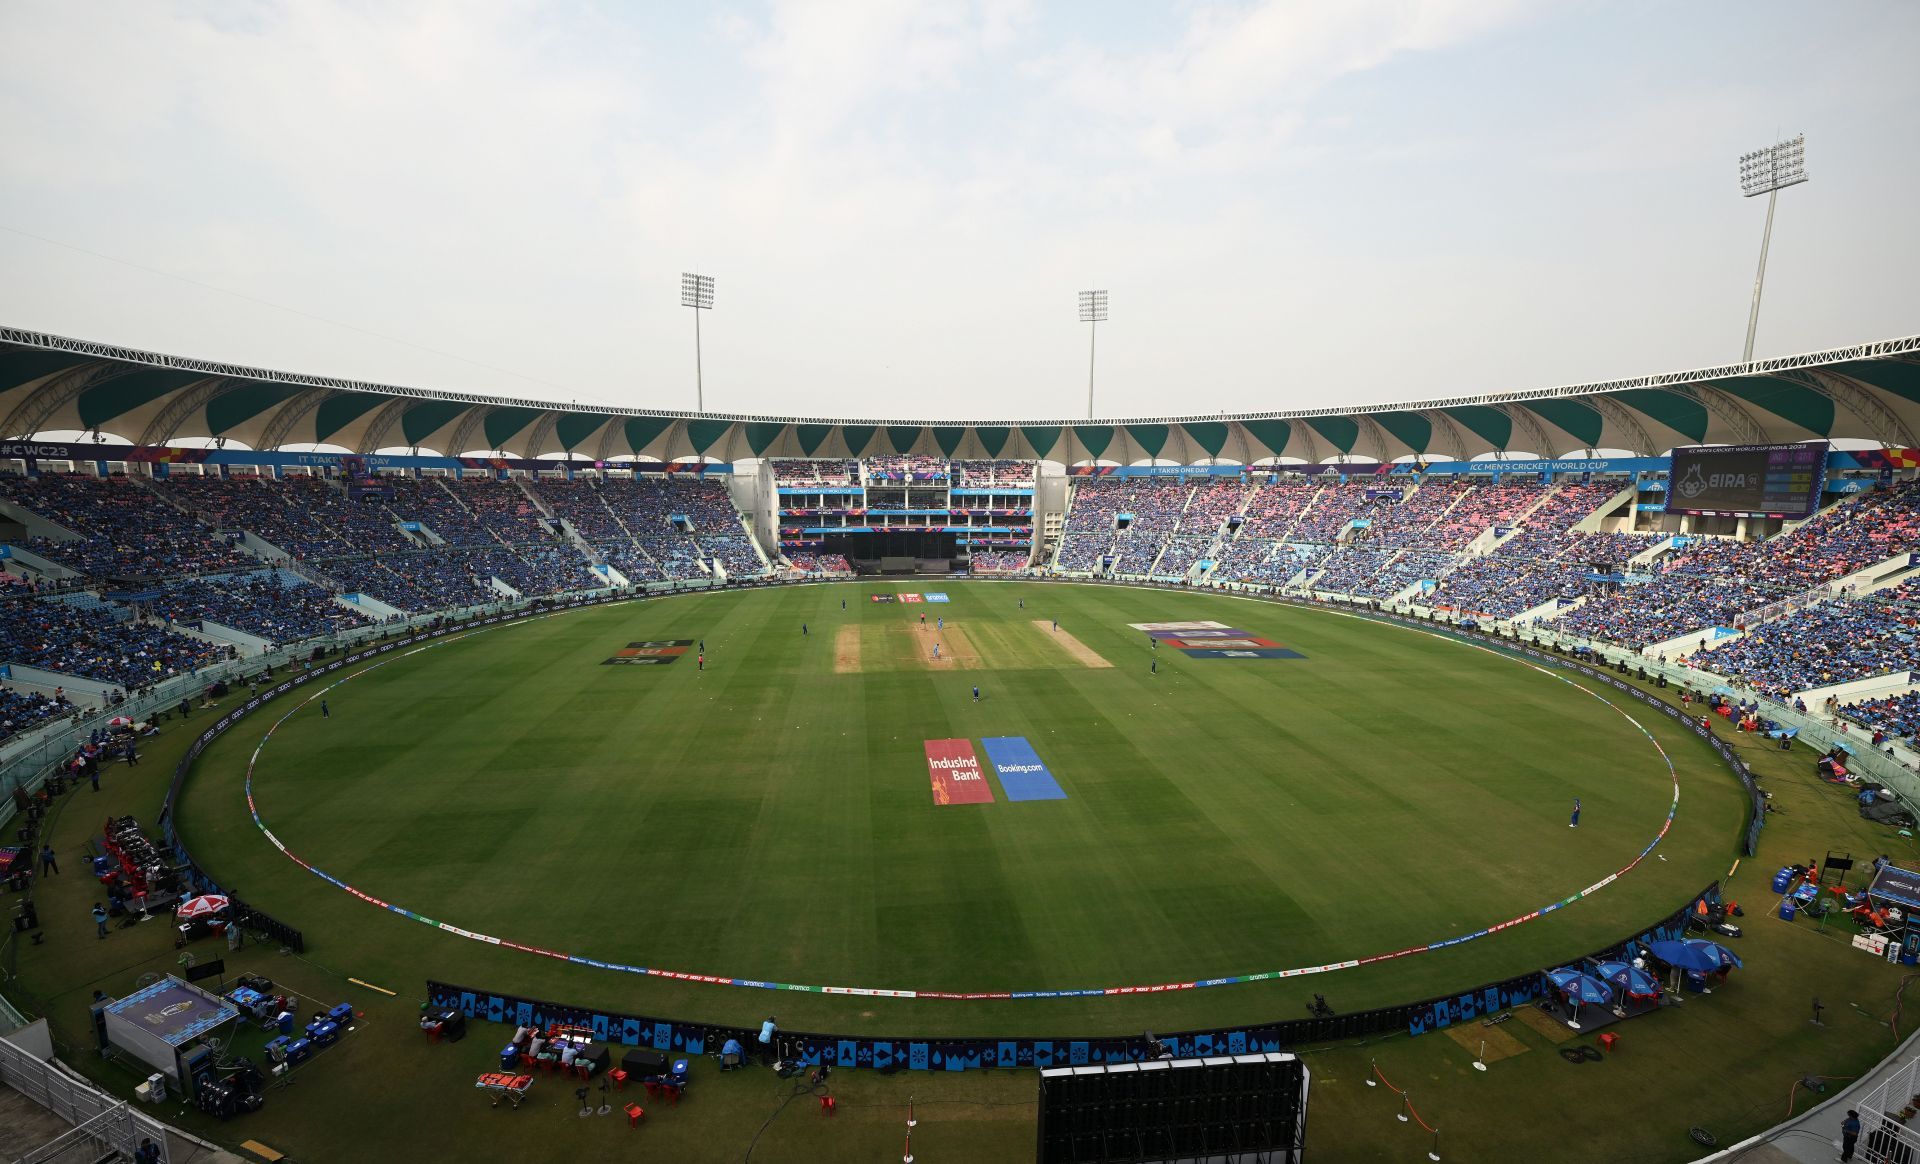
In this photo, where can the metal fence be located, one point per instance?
(1885, 1113)
(104, 1128)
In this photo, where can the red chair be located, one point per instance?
(826, 1105)
(1609, 1040)
(619, 1077)
(652, 1086)
(671, 1092)
(527, 1063)
(635, 1113)
(583, 1068)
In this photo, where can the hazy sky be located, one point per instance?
(1292, 204)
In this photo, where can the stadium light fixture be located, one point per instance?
(1093, 311)
(696, 291)
(1769, 171)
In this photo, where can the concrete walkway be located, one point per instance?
(1814, 1135)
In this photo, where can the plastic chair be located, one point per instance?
(619, 1077)
(635, 1113)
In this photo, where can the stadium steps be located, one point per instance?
(1653, 553)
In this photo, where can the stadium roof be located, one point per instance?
(1868, 391)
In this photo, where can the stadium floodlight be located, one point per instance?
(1769, 171)
(1093, 311)
(696, 291)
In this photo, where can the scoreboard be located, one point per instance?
(1748, 480)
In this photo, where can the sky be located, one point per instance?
(1291, 204)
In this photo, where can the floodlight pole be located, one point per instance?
(700, 383)
(1768, 171)
(1093, 339)
(1093, 311)
(696, 291)
(1760, 276)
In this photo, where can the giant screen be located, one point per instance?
(1773, 480)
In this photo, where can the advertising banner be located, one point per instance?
(1022, 774)
(955, 772)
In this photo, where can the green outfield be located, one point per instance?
(771, 817)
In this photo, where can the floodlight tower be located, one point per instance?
(1769, 171)
(696, 291)
(1093, 311)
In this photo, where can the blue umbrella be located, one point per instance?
(1725, 956)
(1688, 955)
(1580, 987)
(1637, 983)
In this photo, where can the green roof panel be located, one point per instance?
(1409, 428)
(342, 409)
(1094, 438)
(1895, 376)
(1679, 413)
(1209, 435)
(948, 437)
(1790, 402)
(428, 417)
(857, 436)
(245, 402)
(1580, 421)
(901, 437)
(642, 431)
(503, 422)
(1151, 438)
(574, 427)
(705, 433)
(1489, 424)
(761, 435)
(24, 365)
(1343, 432)
(101, 404)
(993, 439)
(1041, 438)
(812, 436)
(1274, 434)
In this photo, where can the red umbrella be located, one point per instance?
(206, 905)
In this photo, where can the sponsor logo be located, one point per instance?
(884, 597)
(937, 598)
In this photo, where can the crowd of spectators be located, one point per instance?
(1332, 509)
(126, 529)
(796, 472)
(578, 503)
(1506, 587)
(1898, 716)
(415, 581)
(1403, 521)
(985, 474)
(1669, 607)
(998, 561)
(1836, 641)
(22, 711)
(906, 468)
(99, 642)
(266, 605)
(819, 564)
(1273, 509)
(1182, 553)
(1481, 508)
(1844, 538)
